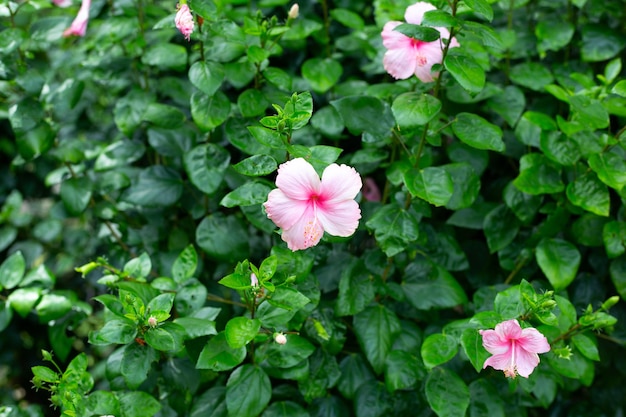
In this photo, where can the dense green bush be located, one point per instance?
(140, 274)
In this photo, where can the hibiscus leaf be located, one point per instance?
(422, 33)
(465, 70)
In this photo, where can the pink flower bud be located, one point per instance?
(79, 25)
(62, 3)
(370, 191)
(294, 11)
(184, 21)
(280, 338)
(254, 280)
(152, 321)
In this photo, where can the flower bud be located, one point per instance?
(87, 268)
(610, 302)
(152, 321)
(294, 11)
(47, 356)
(254, 281)
(184, 21)
(280, 338)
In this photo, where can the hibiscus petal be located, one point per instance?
(525, 362)
(339, 183)
(297, 179)
(509, 329)
(493, 343)
(415, 13)
(499, 362)
(531, 340)
(339, 218)
(282, 210)
(427, 55)
(400, 63)
(393, 39)
(306, 232)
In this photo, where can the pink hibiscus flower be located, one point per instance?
(304, 207)
(514, 349)
(79, 25)
(406, 56)
(184, 21)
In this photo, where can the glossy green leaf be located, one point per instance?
(432, 184)
(531, 75)
(22, 300)
(291, 353)
(422, 33)
(538, 175)
(559, 148)
(472, 343)
(588, 192)
(482, 7)
(553, 34)
(209, 112)
(185, 264)
(465, 70)
(478, 132)
(446, 393)
(600, 43)
(611, 169)
(321, 73)
(485, 400)
(156, 186)
(559, 260)
(500, 226)
(240, 331)
(206, 76)
(525, 206)
(413, 109)
(424, 277)
(206, 165)
(438, 349)
(248, 391)
(12, 270)
(217, 355)
(248, 194)
(354, 372)
(394, 228)
(136, 363)
(356, 290)
(365, 114)
(223, 237)
(375, 328)
(256, 165)
(137, 404)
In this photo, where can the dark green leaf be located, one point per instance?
(465, 70)
(240, 331)
(413, 109)
(375, 328)
(438, 348)
(248, 391)
(446, 393)
(588, 192)
(248, 194)
(206, 76)
(217, 355)
(422, 33)
(206, 165)
(12, 270)
(321, 73)
(559, 260)
(136, 363)
(424, 277)
(209, 112)
(185, 264)
(478, 132)
(538, 175)
(365, 114)
(157, 186)
(223, 237)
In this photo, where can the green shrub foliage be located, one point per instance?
(140, 275)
